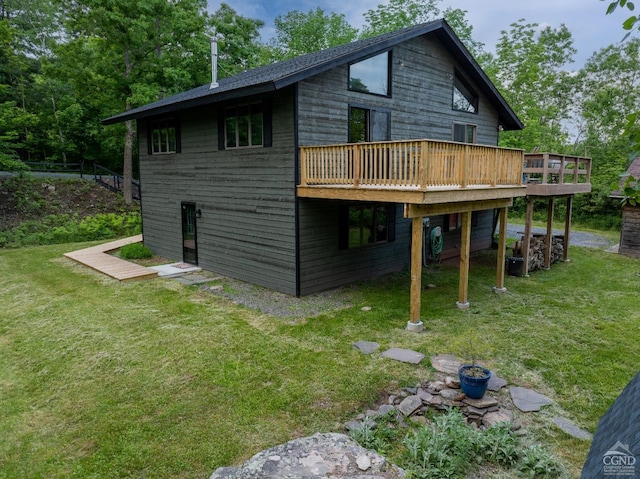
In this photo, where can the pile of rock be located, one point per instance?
(417, 403)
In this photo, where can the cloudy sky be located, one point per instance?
(586, 19)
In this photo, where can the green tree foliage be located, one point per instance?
(239, 48)
(610, 94)
(397, 14)
(530, 68)
(632, 128)
(298, 33)
(15, 122)
(140, 51)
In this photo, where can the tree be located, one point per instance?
(632, 128)
(530, 68)
(298, 33)
(137, 51)
(610, 93)
(399, 14)
(15, 121)
(239, 48)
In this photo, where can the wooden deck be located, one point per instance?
(96, 258)
(551, 174)
(411, 172)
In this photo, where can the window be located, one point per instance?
(464, 133)
(464, 98)
(365, 224)
(163, 137)
(371, 75)
(367, 124)
(453, 221)
(244, 126)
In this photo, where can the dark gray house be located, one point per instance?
(309, 173)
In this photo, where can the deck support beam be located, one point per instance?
(502, 246)
(526, 241)
(549, 241)
(465, 250)
(567, 229)
(415, 324)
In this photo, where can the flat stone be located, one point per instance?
(476, 411)
(403, 355)
(528, 400)
(484, 402)
(453, 383)
(496, 383)
(446, 363)
(424, 395)
(437, 386)
(435, 401)
(571, 429)
(491, 419)
(353, 425)
(452, 395)
(366, 308)
(366, 347)
(385, 409)
(410, 405)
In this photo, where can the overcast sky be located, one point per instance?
(586, 19)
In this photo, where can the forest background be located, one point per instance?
(67, 64)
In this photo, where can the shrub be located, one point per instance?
(135, 251)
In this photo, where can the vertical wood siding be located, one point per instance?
(422, 86)
(247, 198)
(630, 233)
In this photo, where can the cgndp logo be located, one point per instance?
(619, 461)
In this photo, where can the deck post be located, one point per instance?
(548, 243)
(465, 248)
(414, 323)
(502, 246)
(526, 240)
(567, 229)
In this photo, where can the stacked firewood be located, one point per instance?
(537, 248)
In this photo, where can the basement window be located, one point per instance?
(163, 137)
(366, 224)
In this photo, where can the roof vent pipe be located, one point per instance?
(214, 63)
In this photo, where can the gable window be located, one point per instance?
(464, 98)
(464, 132)
(244, 126)
(372, 75)
(163, 136)
(366, 124)
(366, 224)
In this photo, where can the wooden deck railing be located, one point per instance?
(550, 168)
(419, 164)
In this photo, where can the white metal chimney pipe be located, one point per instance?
(214, 63)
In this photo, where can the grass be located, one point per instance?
(155, 379)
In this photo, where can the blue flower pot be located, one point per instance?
(474, 386)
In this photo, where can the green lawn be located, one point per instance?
(157, 379)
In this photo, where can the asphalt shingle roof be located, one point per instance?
(281, 74)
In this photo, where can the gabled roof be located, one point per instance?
(279, 75)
